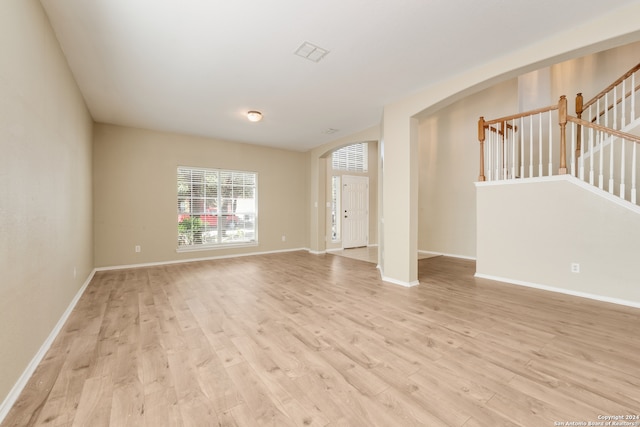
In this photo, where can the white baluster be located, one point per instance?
(624, 105)
(505, 149)
(610, 138)
(601, 163)
(634, 172)
(488, 158)
(582, 151)
(615, 108)
(521, 147)
(540, 145)
(591, 156)
(513, 150)
(550, 144)
(606, 106)
(633, 97)
(573, 149)
(623, 167)
(497, 136)
(530, 142)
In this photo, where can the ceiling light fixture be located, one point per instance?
(254, 116)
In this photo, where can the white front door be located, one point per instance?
(355, 211)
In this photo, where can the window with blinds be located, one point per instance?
(352, 158)
(216, 207)
(335, 208)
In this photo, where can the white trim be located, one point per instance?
(447, 255)
(214, 247)
(19, 386)
(605, 194)
(568, 178)
(180, 261)
(400, 282)
(331, 250)
(523, 180)
(375, 245)
(602, 298)
(316, 252)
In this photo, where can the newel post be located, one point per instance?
(579, 110)
(562, 119)
(481, 139)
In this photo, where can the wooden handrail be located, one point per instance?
(619, 134)
(483, 125)
(610, 106)
(608, 88)
(501, 126)
(520, 115)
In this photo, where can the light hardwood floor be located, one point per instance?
(369, 253)
(307, 340)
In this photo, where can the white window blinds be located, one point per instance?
(352, 158)
(216, 207)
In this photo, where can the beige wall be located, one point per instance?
(45, 196)
(135, 193)
(533, 232)
(449, 151)
(399, 178)
(592, 73)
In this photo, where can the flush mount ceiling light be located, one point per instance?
(254, 116)
(311, 52)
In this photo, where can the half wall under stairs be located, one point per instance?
(534, 232)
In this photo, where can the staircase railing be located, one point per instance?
(608, 154)
(613, 107)
(520, 145)
(516, 144)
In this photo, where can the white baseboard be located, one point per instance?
(181, 261)
(447, 255)
(375, 245)
(595, 297)
(17, 388)
(400, 282)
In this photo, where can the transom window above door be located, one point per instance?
(352, 158)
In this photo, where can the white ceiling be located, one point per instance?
(197, 66)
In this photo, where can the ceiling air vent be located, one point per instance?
(311, 52)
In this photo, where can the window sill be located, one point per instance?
(201, 248)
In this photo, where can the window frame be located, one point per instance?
(351, 158)
(219, 213)
(336, 215)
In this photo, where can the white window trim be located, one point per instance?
(217, 246)
(351, 158)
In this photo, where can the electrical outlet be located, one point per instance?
(75, 272)
(138, 249)
(575, 267)
(284, 238)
